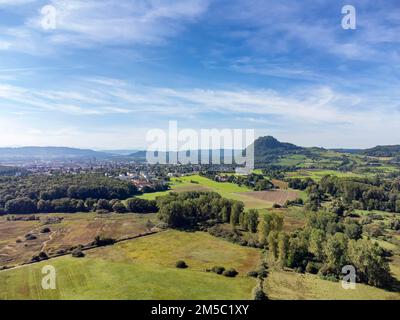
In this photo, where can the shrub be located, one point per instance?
(181, 264)
(42, 256)
(312, 267)
(230, 273)
(259, 294)
(102, 241)
(77, 253)
(103, 204)
(30, 236)
(253, 274)
(119, 207)
(141, 205)
(20, 206)
(263, 272)
(45, 230)
(218, 269)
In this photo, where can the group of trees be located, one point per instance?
(61, 193)
(300, 184)
(353, 193)
(253, 181)
(187, 209)
(364, 193)
(325, 246)
(67, 205)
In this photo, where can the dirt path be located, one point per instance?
(44, 244)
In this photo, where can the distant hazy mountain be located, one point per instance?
(49, 153)
(141, 155)
(267, 150)
(378, 151)
(119, 152)
(382, 151)
(353, 151)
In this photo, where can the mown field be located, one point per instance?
(142, 269)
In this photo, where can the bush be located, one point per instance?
(45, 230)
(102, 241)
(30, 236)
(181, 264)
(259, 294)
(253, 274)
(42, 256)
(20, 206)
(103, 204)
(230, 273)
(218, 269)
(119, 207)
(141, 205)
(77, 253)
(312, 267)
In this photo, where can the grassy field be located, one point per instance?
(225, 189)
(142, 269)
(281, 285)
(294, 217)
(72, 230)
(318, 174)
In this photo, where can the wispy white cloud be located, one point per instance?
(102, 96)
(90, 23)
(14, 2)
(308, 112)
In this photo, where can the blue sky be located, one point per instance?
(113, 69)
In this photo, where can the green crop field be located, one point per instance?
(142, 269)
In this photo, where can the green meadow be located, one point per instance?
(141, 269)
(281, 285)
(225, 189)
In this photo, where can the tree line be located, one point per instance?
(66, 193)
(67, 205)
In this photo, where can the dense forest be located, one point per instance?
(61, 193)
(352, 193)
